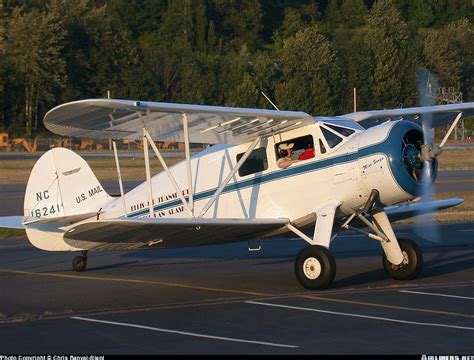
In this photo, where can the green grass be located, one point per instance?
(11, 233)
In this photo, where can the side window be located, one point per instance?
(256, 162)
(331, 138)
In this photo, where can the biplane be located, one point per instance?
(364, 171)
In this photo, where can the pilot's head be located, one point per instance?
(285, 150)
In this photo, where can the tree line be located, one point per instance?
(305, 55)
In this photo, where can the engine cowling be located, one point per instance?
(390, 161)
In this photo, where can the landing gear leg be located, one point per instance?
(79, 263)
(315, 268)
(402, 258)
(411, 264)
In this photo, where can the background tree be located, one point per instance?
(240, 22)
(33, 46)
(310, 71)
(449, 53)
(387, 38)
(304, 54)
(2, 66)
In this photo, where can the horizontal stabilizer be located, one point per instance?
(133, 234)
(60, 219)
(12, 222)
(407, 210)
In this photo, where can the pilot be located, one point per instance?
(308, 153)
(285, 151)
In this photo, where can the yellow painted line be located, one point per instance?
(135, 281)
(125, 310)
(388, 306)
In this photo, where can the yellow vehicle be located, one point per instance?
(8, 145)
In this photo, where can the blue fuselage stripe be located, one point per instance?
(317, 165)
(384, 147)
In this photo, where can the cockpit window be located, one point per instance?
(298, 146)
(331, 138)
(343, 131)
(294, 150)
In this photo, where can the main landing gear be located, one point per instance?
(79, 263)
(411, 264)
(315, 267)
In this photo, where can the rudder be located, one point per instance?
(62, 184)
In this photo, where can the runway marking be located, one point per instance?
(361, 316)
(433, 294)
(134, 281)
(185, 333)
(388, 306)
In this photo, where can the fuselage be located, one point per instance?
(346, 170)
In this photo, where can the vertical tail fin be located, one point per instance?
(62, 184)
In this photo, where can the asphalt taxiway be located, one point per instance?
(226, 300)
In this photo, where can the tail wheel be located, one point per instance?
(411, 265)
(79, 263)
(315, 267)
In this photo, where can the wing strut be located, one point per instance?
(148, 176)
(230, 176)
(119, 175)
(188, 162)
(146, 135)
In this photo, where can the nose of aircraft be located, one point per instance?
(407, 157)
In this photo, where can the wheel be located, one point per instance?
(411, 265)
(315, 267)
(79, 263)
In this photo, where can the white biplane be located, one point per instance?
(235, 190)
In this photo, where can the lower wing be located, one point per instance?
(132, 234)
(407, 210)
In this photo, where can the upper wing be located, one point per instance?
(441, 114)
(407, 210)
(125, 119)
(131, 234)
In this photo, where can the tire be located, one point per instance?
(408, 271)
(315, 267)
(79, 263)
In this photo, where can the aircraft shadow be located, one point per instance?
(441, 264)
(360, 279)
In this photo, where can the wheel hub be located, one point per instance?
(404, 263)
(312, 268)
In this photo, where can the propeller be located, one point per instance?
(427, 227)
